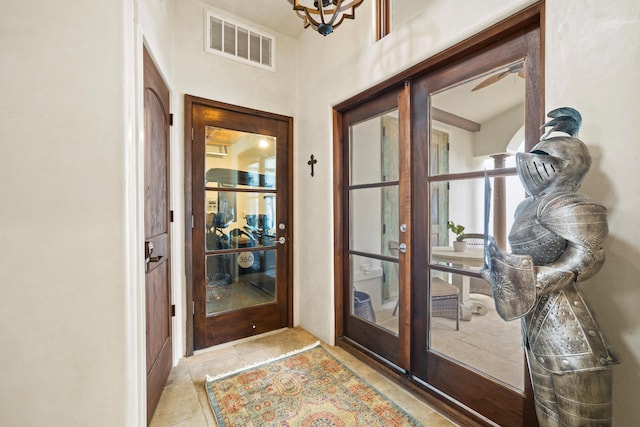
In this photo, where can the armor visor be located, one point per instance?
(538, 170)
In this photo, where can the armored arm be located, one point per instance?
(576, 264)
(582, 222)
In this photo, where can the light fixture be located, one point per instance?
(324, 15)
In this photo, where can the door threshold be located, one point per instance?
(240, 341)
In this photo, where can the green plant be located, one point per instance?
(458, 230)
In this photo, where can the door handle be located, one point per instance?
(148, 250)
(282, 240)
(402, 247)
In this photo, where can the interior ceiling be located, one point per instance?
(278, 16)
(483, 104)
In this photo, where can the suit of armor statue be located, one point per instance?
(556, 242)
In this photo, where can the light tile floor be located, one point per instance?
(486, 343)
(184, 400)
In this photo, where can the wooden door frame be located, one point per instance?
(189, 102)
(528, 22)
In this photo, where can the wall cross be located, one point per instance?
(312, 161)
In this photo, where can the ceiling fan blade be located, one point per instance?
(491, 80)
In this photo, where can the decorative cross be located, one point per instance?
(312, 162)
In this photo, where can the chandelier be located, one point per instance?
(324, 15)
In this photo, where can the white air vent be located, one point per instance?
(238, 41)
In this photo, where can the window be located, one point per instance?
(392, 14)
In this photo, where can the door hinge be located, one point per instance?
(170, 119)
(173, 310)
(192, 222)
(193, 308)
(191, 134)
(170, 216)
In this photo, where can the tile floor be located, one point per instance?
(485, 343)
(184, 400)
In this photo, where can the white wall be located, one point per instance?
(591, 60)
(67, 308)
(496, 133)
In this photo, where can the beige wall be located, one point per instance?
(591, 54)
(68, 341)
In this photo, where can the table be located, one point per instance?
(470, 258)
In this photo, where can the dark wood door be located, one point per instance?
(378, 227)
(241, 240)
(156, 231)
(460, 345)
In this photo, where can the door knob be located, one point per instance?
(402, 247)
(282, 240)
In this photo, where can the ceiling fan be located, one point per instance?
(517, 68)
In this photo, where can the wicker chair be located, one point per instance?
(445, 300)
(477, 286)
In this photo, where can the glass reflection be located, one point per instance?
(239, 159)
(477, 120)
(374, 219)
(476, 125)
(374, 150)
(464, 205)
(483, 342)
(375, 292)
(239, 280)
(240, 218)
(254, 227)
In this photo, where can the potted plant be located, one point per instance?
(459, 245)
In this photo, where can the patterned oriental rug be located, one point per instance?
(307, 388)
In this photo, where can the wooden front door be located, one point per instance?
(156, 231)
(240, 205)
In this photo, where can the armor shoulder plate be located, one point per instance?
(576, 217)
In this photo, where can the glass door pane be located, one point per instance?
(477, 139)
(469, 121)
(240, 219)
(373, 221)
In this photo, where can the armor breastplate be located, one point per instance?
(529, 237)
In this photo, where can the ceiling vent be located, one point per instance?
(238, 41)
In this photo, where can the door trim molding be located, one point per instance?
(189, 102)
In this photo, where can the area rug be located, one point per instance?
(307, 388)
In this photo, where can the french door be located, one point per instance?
(378, 227)
(410, 160)
(487, 106)
(240, 199)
